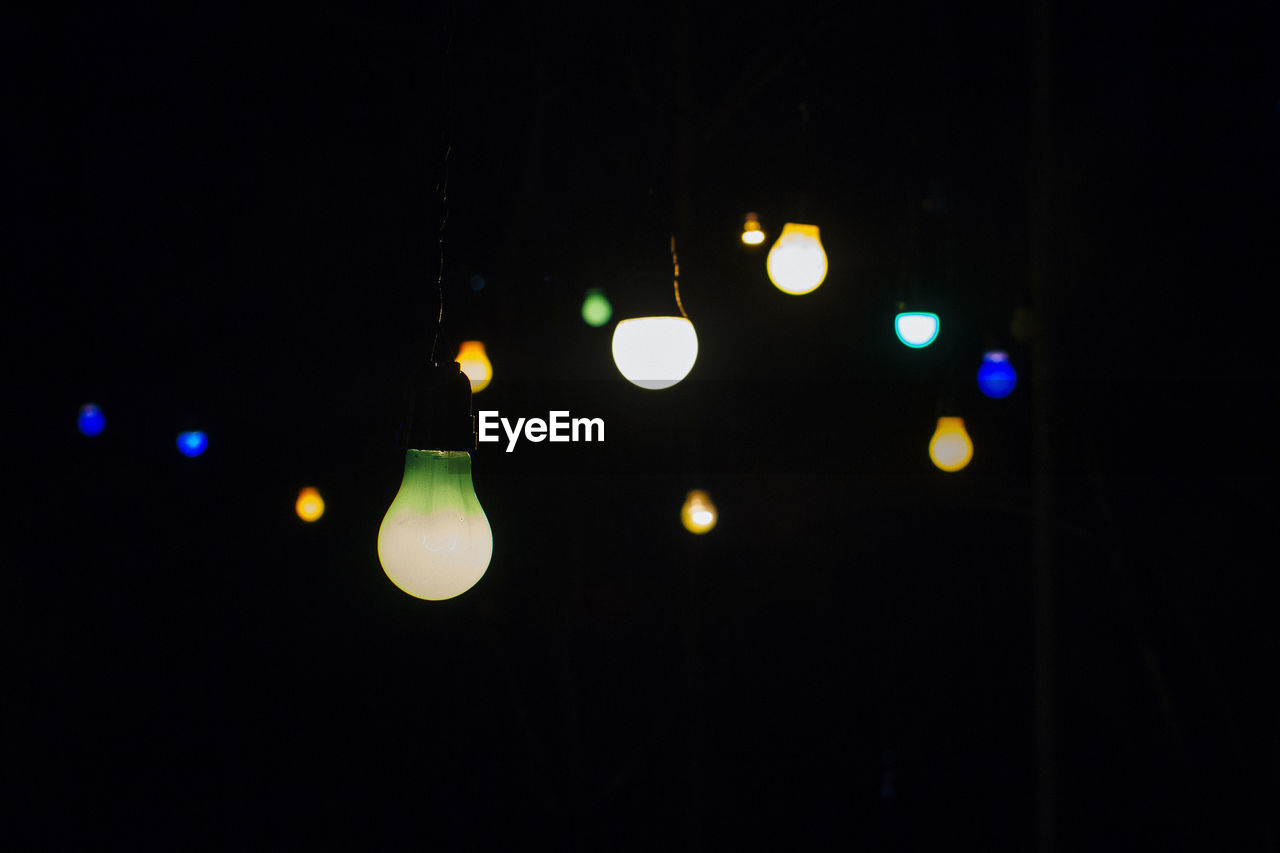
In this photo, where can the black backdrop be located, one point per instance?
(227, 219)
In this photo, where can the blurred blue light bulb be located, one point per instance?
(916, 329)
(91, 421)
(192, 444)
(996, 376)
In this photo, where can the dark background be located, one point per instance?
(227, 219)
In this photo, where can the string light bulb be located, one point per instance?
(917, 329)
(996, 376)
(950, 448)
(309, 506)
(596, 308)
(698, 513)
(435, 541)
(476, 365)
(656, 352)
(752, 233)
(797, 263)
(91, 421)
(192, 444)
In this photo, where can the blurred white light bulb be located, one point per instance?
(655, 352)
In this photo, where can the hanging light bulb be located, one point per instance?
(698, 513)
(192, 444)
(91, 421)
(435, 541)
(950, 448)
(996, 376)
(916, 329)
(752, 234)
(309, 505)
(596, 309)
(797, 263)
(656, 352)
(475, 363)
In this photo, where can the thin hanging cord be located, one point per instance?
(442, 187)
(675, 282)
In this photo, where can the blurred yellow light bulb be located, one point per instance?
(475, 364)
(797, 263)
(950, 448)
(698, 513)
(310, 505)
(752, 235)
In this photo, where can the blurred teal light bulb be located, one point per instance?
(916, 329)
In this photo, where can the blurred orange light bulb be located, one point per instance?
(752, 235)
(310, 505)
(698, 513)
(475, 364)
(950, 448)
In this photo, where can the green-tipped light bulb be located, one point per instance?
(435, 541)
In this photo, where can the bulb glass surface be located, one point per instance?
(917, 329)
(797, 263)
(655, 352)
(950, 448)
(309, 506)
(435, 541)
(996, 376)
(192, 444)
(91, 421)
(596, 309)
(475, 363)
(698, 515)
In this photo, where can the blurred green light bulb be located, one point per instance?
(596, 309)
(435, 541)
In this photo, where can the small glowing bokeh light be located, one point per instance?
(996, 376)
(698, 513)
(475, 363)
(950, 448)
(752, 234)
(596, 310)
(91, 421)
(192, 444)
(797, 263)
(916, 329)
(309, 505)
(655, 352)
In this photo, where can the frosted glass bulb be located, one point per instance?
(435, 541)
(950, 448)
(917, 329)
(475, 363)
(655, 352)
(797, 263)
(752, 234)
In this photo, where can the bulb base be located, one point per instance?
(438, 412)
